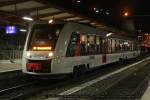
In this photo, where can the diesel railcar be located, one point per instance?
(69, 47)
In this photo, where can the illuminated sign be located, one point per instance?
(10, 29)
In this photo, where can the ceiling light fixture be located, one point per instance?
(23, 30)
(50, 21)
(78, 1)
(94, 8)
(27, 18)
(107, 13)
(97, 11)
(107, 35)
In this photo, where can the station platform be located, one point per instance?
(7, 65)
(146, 95)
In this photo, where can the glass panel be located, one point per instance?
(113, 45)
(83, 44)
(117, 46)
(44, 35)
(91, 44)
(98, 44)
(108, 45)
(72, 47)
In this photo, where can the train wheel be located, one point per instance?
(76, 72)
(79, 71)
(121, 61)
(83, 69)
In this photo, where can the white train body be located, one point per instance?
(97, 49)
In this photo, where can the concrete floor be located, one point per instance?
(6, 65)
(146, 95)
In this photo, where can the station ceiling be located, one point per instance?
(12, 11)
(112, 12)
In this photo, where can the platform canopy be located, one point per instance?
(12, 11)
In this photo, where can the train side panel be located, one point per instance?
(63, 64)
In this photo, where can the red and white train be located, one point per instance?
(69, 47)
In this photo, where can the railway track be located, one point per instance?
(12, 93)
(76, 93)
(23, 90)
(64, 85)
(31, 88)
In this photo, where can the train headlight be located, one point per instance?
(28, 54)
(34, 48)
(50, 54)
(42, 48)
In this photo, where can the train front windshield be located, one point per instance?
(44, 36)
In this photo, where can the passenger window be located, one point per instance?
(113, 46)
(108, 45)
(130, 46)
(136, 46)
(121, 45)
(117, 46)
(126, 44)
(98, 44)
(73, 47)
(104, 46)
(91, 44)
(83, 44)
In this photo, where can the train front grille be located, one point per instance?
(39, 66)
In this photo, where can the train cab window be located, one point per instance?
(74, 45)
(44, 35)
(91, 44)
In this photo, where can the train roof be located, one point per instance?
(90, 28)
(101, 32)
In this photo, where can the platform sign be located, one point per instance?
(10, 29)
